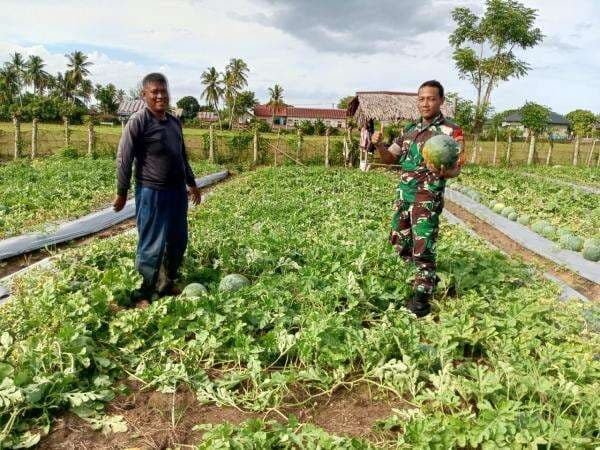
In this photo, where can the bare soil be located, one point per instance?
(159, 421)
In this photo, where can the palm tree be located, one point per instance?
(213, 91)
(276, 100)
(62, 87)
(17, 65)
(35, 74)
(8, 84)
(84, 92)
(78, 68)
(236, 79)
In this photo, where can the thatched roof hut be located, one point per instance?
(388, 106)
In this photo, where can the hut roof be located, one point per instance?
(128, 107)
(389, 106)
(553, 118)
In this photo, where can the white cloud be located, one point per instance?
(125, 40)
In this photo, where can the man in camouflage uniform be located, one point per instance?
(420, 193)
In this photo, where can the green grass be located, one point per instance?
(498, 365)
(34, 195)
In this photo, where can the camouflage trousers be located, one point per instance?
(415, 225)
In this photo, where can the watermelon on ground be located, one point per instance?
(513, 216)
(194, 290)
(539, 225)
(492, 204)
(233, 282)
(592, 252)
(571, 242)
(506, 211)
(524, 219)
(441, 150)
(592, 242)
(498, 207)
(548, 231)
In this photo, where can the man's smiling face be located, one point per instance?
(157, 97)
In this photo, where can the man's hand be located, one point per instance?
(444, 172)
(377, 138)
(195, 195)
(119, 202)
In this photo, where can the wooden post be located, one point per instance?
(576, 151)
(276, 148)
(91, 138)
(495, 158)
(17, 123)
(299, 144)
(549, 155)
(211, 146)
(531, 149)
(255, 148)
(67, 131)
(34, 137)
(591, 154)
(327, 147)
(350, 155)
(508, 147)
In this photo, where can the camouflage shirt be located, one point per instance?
(415, 174)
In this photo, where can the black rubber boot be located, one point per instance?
(419, 304)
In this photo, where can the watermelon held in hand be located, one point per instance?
(441, 150)
(233, 282)
(194, 290)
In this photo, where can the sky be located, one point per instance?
(318, 50)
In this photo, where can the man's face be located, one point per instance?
(157, 97)
(429, 102)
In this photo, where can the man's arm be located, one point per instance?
(190, 179)
(389, 154)
(125, 155)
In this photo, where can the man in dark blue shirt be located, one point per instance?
(152, 141)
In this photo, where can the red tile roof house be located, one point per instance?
(288, 116)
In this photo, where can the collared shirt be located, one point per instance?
(408, 148)
(158, 149)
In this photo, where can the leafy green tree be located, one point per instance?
(483, 49)
(107, 97)
(190, 107)
(464, 111)
(275, 100)
(306, 127)
(320, 127)
(213, 89)
(535, 118)
(344, 102)
(582, 124)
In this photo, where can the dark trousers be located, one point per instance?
(161, 218)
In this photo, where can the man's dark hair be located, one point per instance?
(155, 77)
(434, 83)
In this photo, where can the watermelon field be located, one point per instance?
(36, 194)
(499, 364)
(559, 212)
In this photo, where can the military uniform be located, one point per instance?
(419, 201)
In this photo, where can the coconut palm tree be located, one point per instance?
(63, 87)
(78, 68)
(17, 65)
(35, 74)
(8, 84)
(276, 100)
(213, 90)
(236, 75)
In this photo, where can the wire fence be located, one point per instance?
(272, 148)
